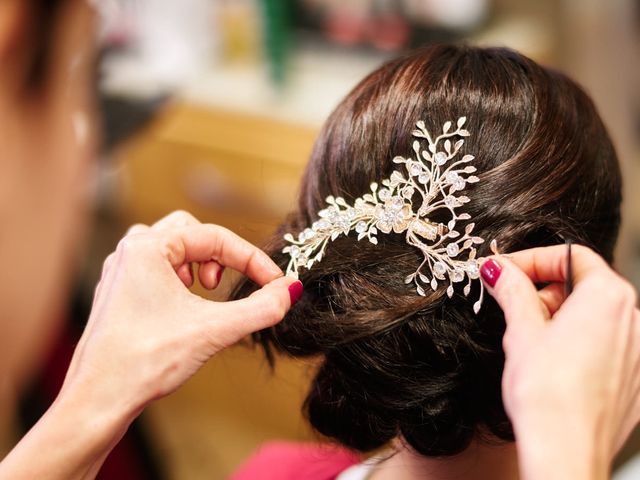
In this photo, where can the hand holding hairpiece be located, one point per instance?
(429, 181)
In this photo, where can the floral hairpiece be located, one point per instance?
(428, 182)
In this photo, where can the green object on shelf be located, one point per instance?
(277, 31)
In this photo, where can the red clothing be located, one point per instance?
(296, 461)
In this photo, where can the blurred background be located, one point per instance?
(212, 106)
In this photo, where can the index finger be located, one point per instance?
(205, 242)
(549, 264)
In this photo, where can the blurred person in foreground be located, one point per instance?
(147, 334)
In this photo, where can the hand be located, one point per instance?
(572, 372)
(147, 333)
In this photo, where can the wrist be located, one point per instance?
(70, 441)
(560, 449)
(100, 429)
(101, 420)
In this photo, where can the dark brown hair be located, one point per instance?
(428, 369)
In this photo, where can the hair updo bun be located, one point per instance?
(427, 368)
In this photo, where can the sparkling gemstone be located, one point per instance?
(342, 222)
(439, 269)
(323, 224)
(361, 226)
(450, 201)
(397, 203)
(423, 178)
(415, 169)
(459, 184)
(332, 215)
(295, 251)
(440, 158)
(408, 192)
(351, 213)
(384, 194)
(453, 249)
(452, 177)
(473, 269)
(457, 275)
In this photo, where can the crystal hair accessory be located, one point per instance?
(430, 180)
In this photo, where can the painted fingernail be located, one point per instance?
(490, 272)
(295, 292)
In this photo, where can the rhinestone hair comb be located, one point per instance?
(431, 180)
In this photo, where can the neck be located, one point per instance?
(478, 462)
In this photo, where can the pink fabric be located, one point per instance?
(296, 461)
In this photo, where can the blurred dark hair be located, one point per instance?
(44, 18)
(428, 369)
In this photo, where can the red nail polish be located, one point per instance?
(295, 292)
(490, 272)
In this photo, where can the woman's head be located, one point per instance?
(48, 137)
(428, 369)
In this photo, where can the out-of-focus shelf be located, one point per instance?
(317, 79)
(238, 170)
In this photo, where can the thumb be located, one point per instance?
(518, 298)
(263, 308)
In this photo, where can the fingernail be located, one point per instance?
(295, 292)
(490, 272)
